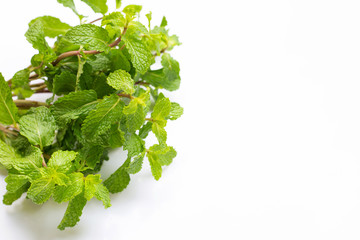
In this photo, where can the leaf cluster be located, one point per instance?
(105, 94)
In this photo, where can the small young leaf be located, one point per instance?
(61, 160)
(99, 6)
(68, 192)
(176, 111)
(121, 80)
(136, 165)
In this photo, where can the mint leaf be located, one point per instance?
(98, 6)
(93, 187)
(107, 112)
(38, 126)
(131, 11)
(134, 144)
(11, 197)
(121, 80)
(159, 132)
(73, 212)
(41, 190)
(118, 3)
(7, 155)
(68, 192)
(20, 84)
(29, 164)
(70, 4)
(136, 165)
(73, 105)
(162, 109)
(144, 131)
(176, 111)
(14, 182)
(155, 165)
(61, 160)
(8, 109)
(119, 180)
(165, 154)
(52, 26)
(90, 36)
(64, 83)
(171, 72)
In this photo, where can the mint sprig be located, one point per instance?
(104, 96)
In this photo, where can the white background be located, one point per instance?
(268, 147)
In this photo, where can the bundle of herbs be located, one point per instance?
(104, 95)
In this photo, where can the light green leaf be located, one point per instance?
(20, 84)
(165, 153)
(161, 109)
(115, 19)
(36, 36)
(121, 80)
(119, 180)
(7, 155)
(70, 4)
(73, 212)
(141, 56)
(41, 190)
(134, 144)
(136, 165)
(107, 112)
(131, 11)
(30, 164)
(118, 3)
(52, 26)
(171, 72)
(91, 155)
(98, 6)
(8, 109)
(38, 127)
(90, 36)
(163, 22)
(93, 187)
(144, 131)
(14, 182)
(61, 160)
(73, 105)
(176, 111)
(159, 132)
(155, 165)
(11, 197)
(68, 192)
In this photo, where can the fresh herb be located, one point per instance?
(104, 96)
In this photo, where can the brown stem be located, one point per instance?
(43, 161)
(125, 95)
(28, 104)
(8, 131)
(142, 83)
(40, 88)
(149, 119)
(36, 85)
(76, 53)
(96, 20)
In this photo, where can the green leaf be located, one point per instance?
(98, 6)
(91, 155)
(14, 182)
(30, 164)
(70, 4)
(8, 109)
(61, 160)
(73, 105)
(107, 112)
(134, 144)
(121, 80)
(68, 192)
(38, 127)
(90, 36)
(141, 56)
(41, 190)
(135, 120)
(118, 3)
(171, 72)
(7, 155)
(73, 212)
(162, 109)
(136, 165)
(165, 154)
(131, 11)
(11, 197)
(93, 187)
(52, 26)
(163, 22)
(155, 165)
(115, 19)
(176, 111)
(20, 84)
(144, 131)
(119, 180)
(36, 36)
(64, 83)
(159, 132)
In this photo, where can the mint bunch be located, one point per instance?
(104, 96)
